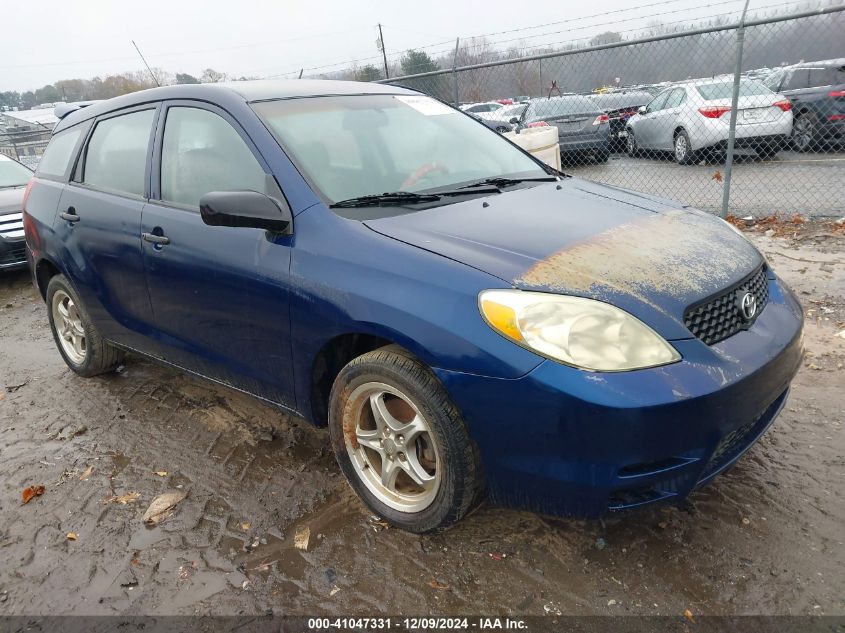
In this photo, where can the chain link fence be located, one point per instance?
(745, 118)
(26, 146)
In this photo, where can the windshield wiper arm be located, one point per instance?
(409, 197)
(390, 198)
(507, 182)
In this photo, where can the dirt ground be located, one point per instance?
(765, 538)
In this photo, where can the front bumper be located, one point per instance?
(563, 441)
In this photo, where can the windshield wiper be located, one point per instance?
(390, 198)
(396, 198)
(507, 182)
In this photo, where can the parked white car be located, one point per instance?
(483, 109)
(506, 113)
(691, 117)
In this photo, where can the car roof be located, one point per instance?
(824, 63)
(246, 91)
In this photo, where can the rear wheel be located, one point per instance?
(601, 156)
(803, 137)
(79, 342)
(683, 148)
(401, 443)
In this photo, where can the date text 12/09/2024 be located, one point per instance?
(415, 624)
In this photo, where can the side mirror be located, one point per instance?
(514, 120)
(642, 110)
(245, 209)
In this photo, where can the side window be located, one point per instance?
(658, 102)
(825, 77)
(58, 155)
(675, 98)
(800, 78)
(117, 153)
(200, 153)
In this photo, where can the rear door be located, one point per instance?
(219, 294)
(99, 223)
(666, 119)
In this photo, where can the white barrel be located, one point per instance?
(541, 142)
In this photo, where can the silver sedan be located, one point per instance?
(691, 117)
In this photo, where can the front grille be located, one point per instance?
(11, 226)
(718, 318)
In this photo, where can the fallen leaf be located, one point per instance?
(497, 556)
(334, 590)
(611, 602)
(436, 584)
(2, 396)
(302, 538)
(129, 497)
(71, 536)
(86, 474)
(162, 507)
(688, 615)
(839, 334)
(245, 526)
(31, 491)
(160, 473)
(717, 176)
(746, 521)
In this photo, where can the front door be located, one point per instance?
(219, 294)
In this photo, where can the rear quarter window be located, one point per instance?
(59, 153)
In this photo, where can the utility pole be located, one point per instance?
(145, 63)
(729, 158)
(383, 51)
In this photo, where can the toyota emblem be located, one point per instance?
(748, 306)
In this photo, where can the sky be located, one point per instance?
(48, 40)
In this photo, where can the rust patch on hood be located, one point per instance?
(679, 254)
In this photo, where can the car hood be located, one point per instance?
(644, 254)
(11, 200)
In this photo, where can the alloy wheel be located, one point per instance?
(802, 133)
(681, 148)
(391, 447)
(69, 328)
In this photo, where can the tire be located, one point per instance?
(803, 135)
(79, 342)
(601, 156)
(443, 453)
(631, 145)
(683, 154)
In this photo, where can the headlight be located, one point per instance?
(584, 333)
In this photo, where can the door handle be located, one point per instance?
(70, 215)
(160, 240)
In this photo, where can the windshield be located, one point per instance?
(711, 92)
(351, 146)
(13, 174)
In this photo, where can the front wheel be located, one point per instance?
(401, 443)
(683, 149)
(79, 342)
(631, 144)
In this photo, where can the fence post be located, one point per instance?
(455, 73)
(729, 158)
